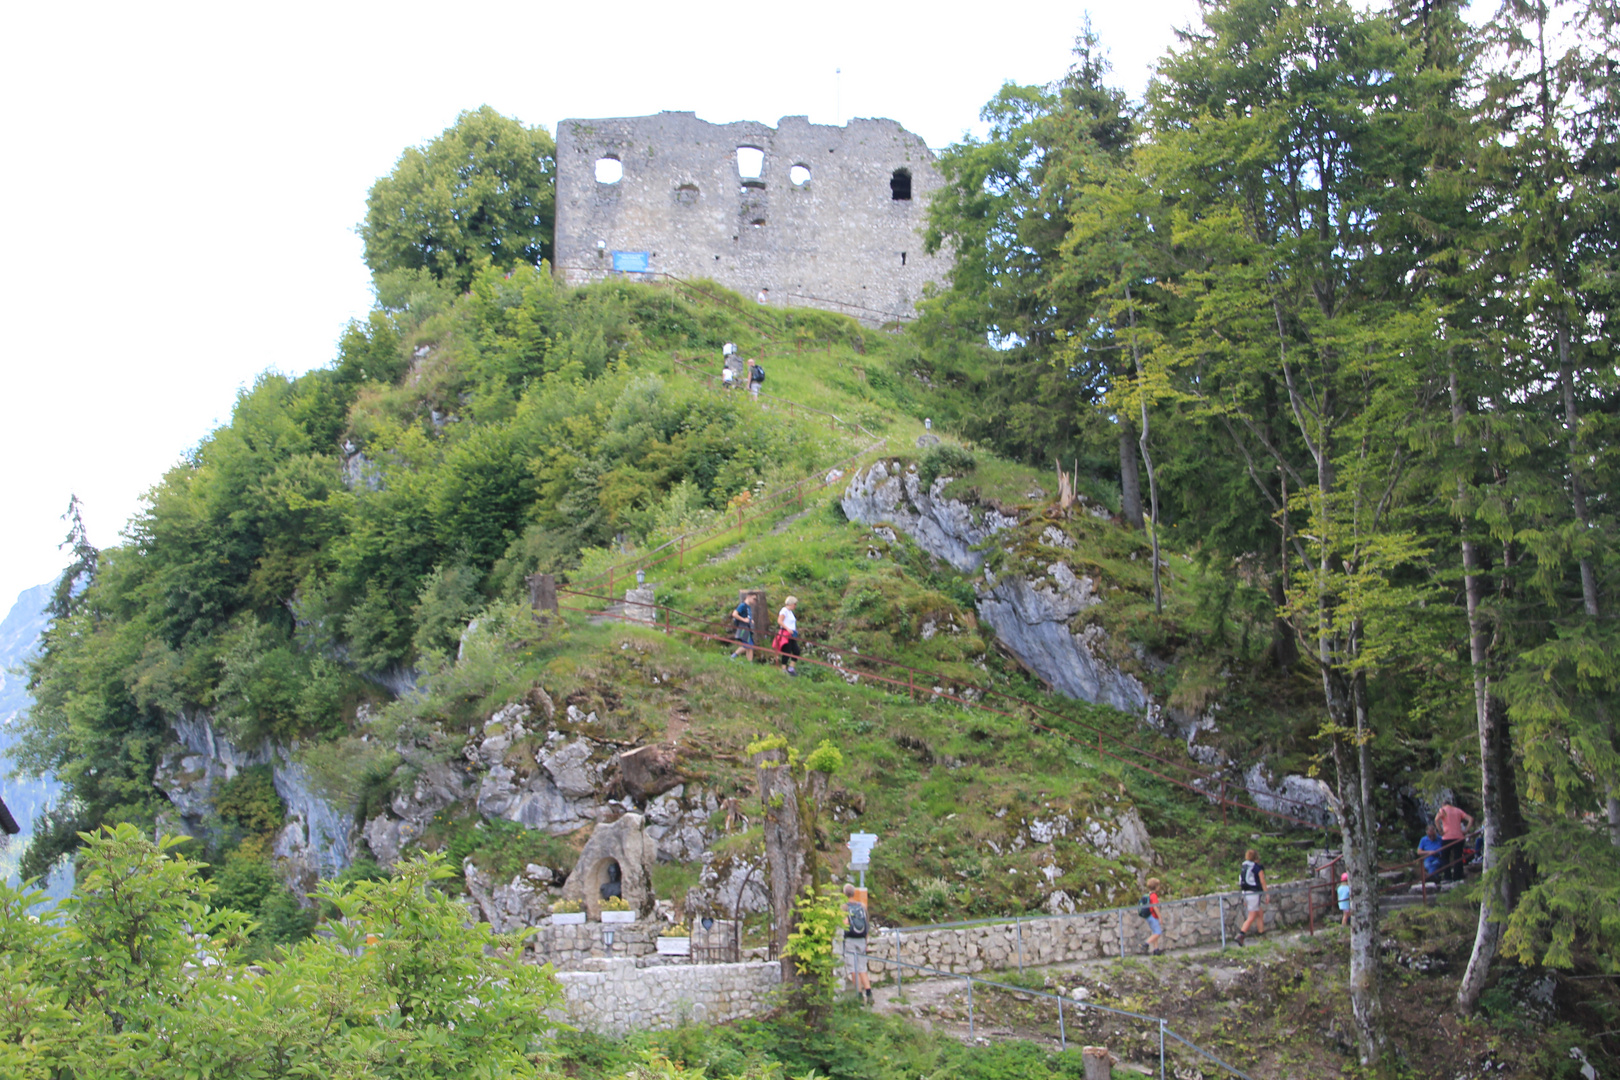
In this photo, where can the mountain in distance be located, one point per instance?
(27, 797)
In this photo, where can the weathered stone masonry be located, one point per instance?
(616, 996)
(822, 225)
(1093, 935)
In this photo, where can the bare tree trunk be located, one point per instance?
(787, 849)
(1497, 824)
(1147, 458)
(1346, 705)
(1130, 480)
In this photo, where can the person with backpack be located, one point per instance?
(1149, 910)
(756, 378)
(856, 927)
(1252, 884)
(742, 628)
(787, 634)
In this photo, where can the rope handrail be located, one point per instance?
(1221, 799)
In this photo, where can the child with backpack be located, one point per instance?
(1149, 910)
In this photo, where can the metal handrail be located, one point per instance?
(1082, 1006)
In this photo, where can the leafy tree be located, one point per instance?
(1279, 134)
(481, 194)
(139, 975)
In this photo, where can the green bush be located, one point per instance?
(944, 460)
(249, 802)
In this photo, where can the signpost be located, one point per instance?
(860, 851)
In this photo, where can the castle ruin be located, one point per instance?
(805, 215)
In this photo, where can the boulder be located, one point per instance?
(649, 771)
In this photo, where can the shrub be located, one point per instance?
(615, 903)
(567, 907)
(944, 460)
(249, 802)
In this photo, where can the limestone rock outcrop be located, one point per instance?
(523, 902)
(890, 493)
(1031, 616)
(318, 838)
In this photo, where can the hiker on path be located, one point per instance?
(1344, 899)
(742, 628)
(1155, 923)
(787, 634)
(1454, 824)
(1430, 847)
(856, 925)
(1252, 884)
(756, 379)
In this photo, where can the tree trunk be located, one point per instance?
(1284, 647)
(1501, 823)
(1346, 704)
(1130, 480)
(1495, 755)
(1147, 459)
(787, 849)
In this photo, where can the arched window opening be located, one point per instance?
(800, 175)
(686, 194)
(609, 170)
(900, 185)
(750, 162)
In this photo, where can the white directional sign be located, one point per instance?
(860, 849)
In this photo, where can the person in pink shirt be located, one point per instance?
(1454, 825)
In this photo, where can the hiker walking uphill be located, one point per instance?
(787, 634)
(742, 628)
(756, 378)
(856, 927)
(1252, 884)
(1149, 910)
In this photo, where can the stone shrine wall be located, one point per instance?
(616, 996)
(834, 218)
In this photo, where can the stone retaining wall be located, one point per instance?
(1088, 935)
(569, 947)
(616, 996)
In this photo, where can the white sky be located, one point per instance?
(183, 180)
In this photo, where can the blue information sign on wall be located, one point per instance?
(631, 262)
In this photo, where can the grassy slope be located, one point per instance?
(941, 784)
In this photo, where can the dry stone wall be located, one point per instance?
(1091, 935)
(823, 224)
(616, 996)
